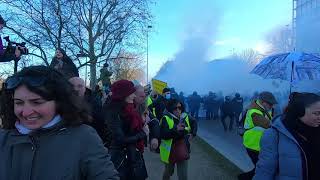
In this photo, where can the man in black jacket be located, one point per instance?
(227, 111)
(161, 102)
(237, 105)
(95, 109)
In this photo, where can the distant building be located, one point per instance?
(306, 25)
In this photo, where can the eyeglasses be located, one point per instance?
(14, 81)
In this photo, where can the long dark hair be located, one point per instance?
(65, 58)
(298, 102)
(69, 69)
(55, 87)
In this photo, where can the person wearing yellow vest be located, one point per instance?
(258, 119)
(176, 128)
(150, 100)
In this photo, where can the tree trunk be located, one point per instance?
(93, 78)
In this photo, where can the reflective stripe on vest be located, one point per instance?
(253, 134)
(165, 146)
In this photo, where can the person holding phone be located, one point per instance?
(176, 130)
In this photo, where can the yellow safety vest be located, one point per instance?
(253, 134)
(165, 146)
(149, 102)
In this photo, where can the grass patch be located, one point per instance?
(216, 157)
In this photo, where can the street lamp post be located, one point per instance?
(149, 27)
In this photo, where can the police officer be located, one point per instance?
(227, 111)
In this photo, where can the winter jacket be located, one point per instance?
(98, 123)
(69, 153)
(68, 69)
(123, 141)
(4, 55)
(121, 133)
(166, 133)
(237, 105)
(226, 108)
(281, 157)
(160, 106)
(154, 129)
(194, 102)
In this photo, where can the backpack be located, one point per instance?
(241, 120)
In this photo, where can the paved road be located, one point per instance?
(205, 164)
(229, 144)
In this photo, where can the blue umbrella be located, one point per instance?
(294, 66)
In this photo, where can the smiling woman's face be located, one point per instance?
(31, 109)
(312, 115)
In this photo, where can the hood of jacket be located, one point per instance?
(280, 127)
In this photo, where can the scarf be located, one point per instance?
(135, 121)
(24, 130)
(308, 137)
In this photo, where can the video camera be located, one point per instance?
(11, 48)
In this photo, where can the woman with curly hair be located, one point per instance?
(43, 136)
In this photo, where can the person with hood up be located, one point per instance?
(128, 132)
(291, 148)
(63, 63)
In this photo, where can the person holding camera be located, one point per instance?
(5, 56)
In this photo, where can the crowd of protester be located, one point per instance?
(54, 127)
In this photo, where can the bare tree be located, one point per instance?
(128, 66)
(280, 40)
(96, 29)
(249, 56)
(40, 23)
(103, 27)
